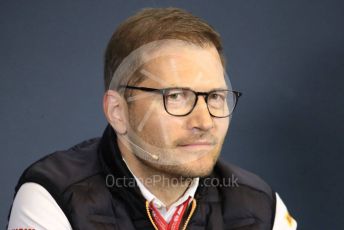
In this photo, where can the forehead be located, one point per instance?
(190, 66)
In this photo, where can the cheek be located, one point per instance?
(142, 113)
(152, 122)
(221, 126)
(165, 126)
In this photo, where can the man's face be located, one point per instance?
(186, 146)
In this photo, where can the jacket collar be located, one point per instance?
(114, 167)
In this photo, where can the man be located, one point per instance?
(169, 104)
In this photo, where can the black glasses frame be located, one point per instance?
(204, 94)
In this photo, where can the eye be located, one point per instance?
(175, 95)
(216, 96)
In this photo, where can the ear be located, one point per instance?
(115, 110)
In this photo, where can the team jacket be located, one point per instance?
(78, 180)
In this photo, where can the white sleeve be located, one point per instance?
(34, 208)
(283, 220)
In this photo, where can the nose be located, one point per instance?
(200, 117)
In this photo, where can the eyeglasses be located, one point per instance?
(181, 101)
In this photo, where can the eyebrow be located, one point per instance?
(211, 90)
(217, 89)
(173, 87)
(187, 87)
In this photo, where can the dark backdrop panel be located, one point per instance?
(286, 56)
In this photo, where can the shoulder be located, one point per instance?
(247, 198)
(33, 206)
(254, 192)
(58, 170)
(244, 178)
(283, 219)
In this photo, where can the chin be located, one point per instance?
(187, 168)
(198, 168)
(201, 168)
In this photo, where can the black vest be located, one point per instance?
(76, 178)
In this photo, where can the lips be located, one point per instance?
(199, 143)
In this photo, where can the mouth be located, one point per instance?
(197, 145)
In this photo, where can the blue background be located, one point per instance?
(287, 57)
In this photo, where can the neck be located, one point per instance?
(166, 187)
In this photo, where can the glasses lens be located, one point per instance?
(179, 101)
(221, 103)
